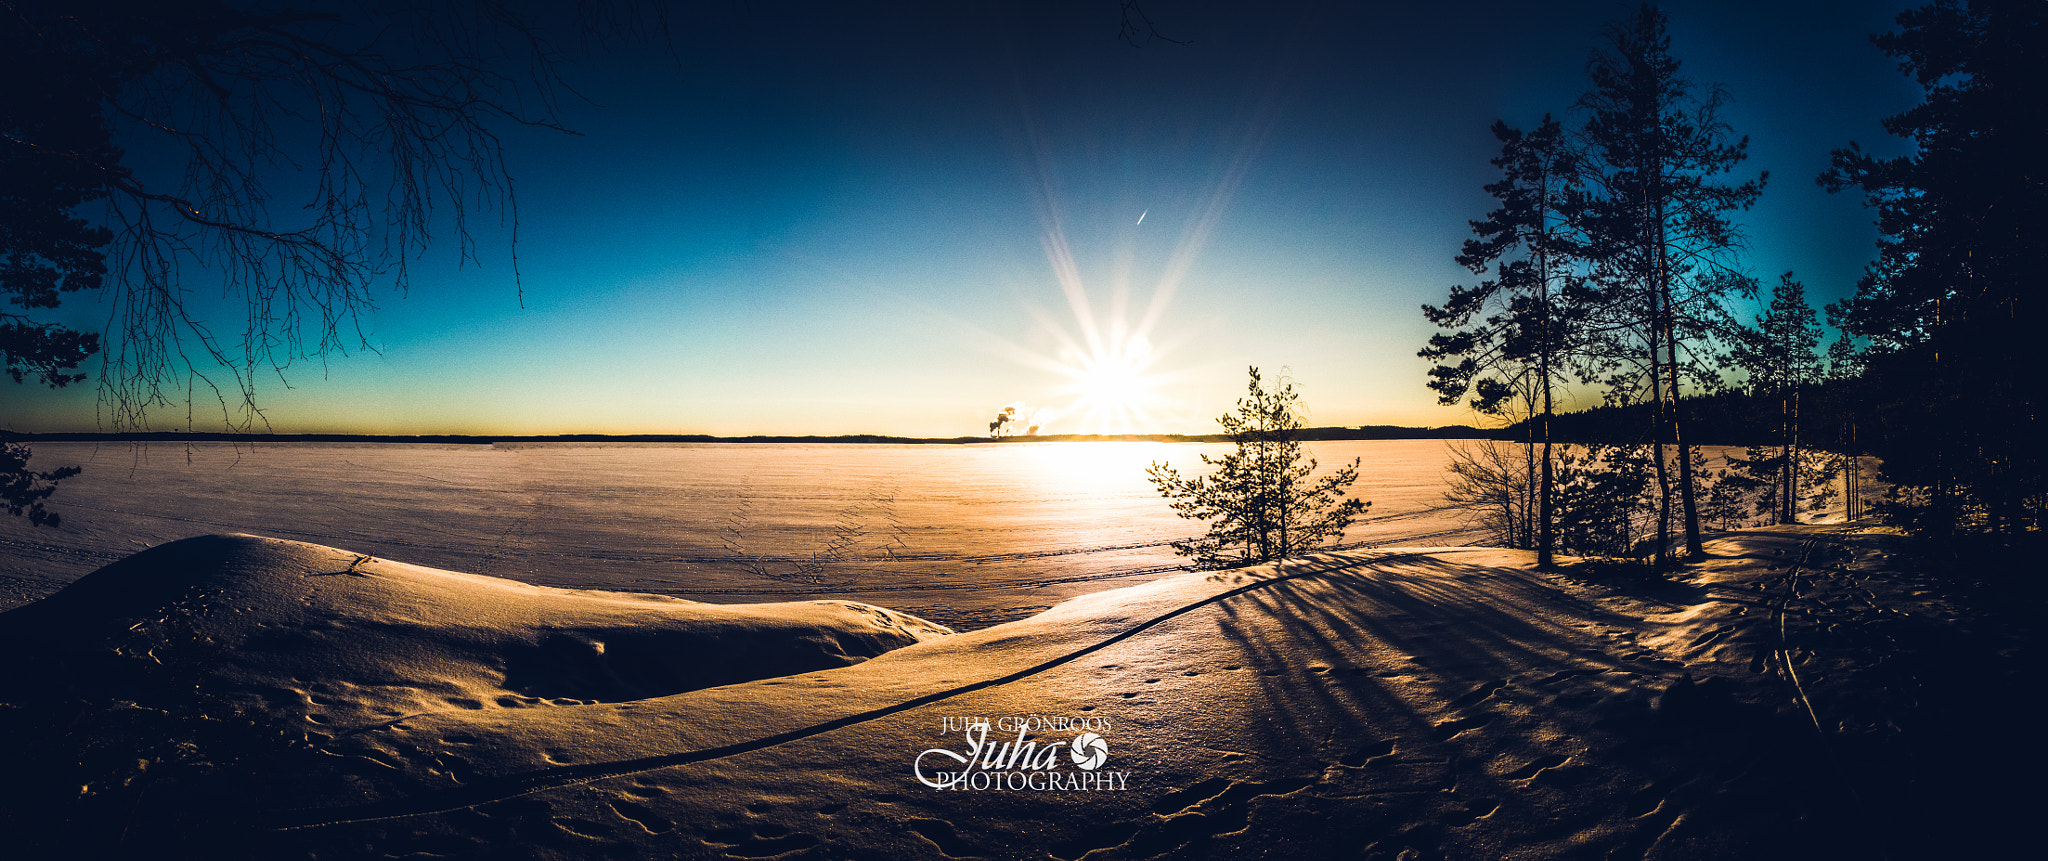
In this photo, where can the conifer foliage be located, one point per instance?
(1954, 300)
(1516, 355)
(1659, 225)
(1611, 258)
(1783, 360)
(1262, 501)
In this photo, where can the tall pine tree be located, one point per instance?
(1660, 221)
(1531, 244)
(1954, 296)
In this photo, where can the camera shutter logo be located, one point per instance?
(1090, 751)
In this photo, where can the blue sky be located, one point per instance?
(897, 219)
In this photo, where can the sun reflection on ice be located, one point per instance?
(1093, 470)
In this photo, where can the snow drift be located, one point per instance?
(341, 641)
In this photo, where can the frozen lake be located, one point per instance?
(967, 535)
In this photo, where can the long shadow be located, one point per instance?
(1360, 629)
(1406, 659)
(1370, 675)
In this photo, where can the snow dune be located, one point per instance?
(341, 641)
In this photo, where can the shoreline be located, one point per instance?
(1368, 432)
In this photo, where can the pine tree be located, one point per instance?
(1955, 290)
(1261, 500)
(1845, 389)
(23, 490)
(1781, 355)
(1728, 495)
(1601, 490)
(1519, 352)
(51, 132)
(1660, 221)
(1758, 474)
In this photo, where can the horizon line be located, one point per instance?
(1362, 432)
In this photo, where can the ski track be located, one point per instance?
(1803, 563)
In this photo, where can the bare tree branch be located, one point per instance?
(1134, 27)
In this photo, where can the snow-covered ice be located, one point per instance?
(964, 535)
(1800, 692)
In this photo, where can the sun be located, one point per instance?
(1116, 378)
(1114, 389)
(1109, 359)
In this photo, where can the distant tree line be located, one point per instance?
(1727, 417)
(1612, 258)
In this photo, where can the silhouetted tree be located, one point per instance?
(1659, 223)
(1955, 292)
(1531, 244)
(22, 490)
(1487, 481)
(1727, 498)
(1261, 500)
(1844, 393)
(1782, 357)
(363, 123)
(1601, 499)
(45, 249)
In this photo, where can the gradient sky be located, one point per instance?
(834, 220)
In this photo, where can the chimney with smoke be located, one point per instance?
(1015, 415)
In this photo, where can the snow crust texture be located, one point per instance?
(1801, 692)
(342, 641)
